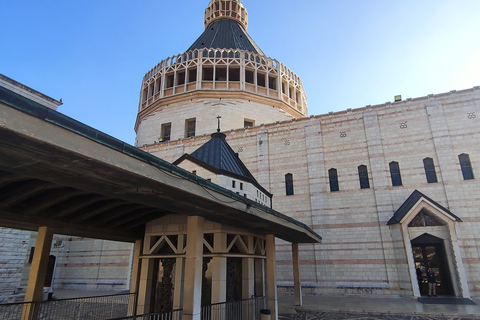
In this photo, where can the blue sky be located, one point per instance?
(93, 54)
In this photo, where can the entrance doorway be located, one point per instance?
(429, 252)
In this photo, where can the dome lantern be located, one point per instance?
(226, 9)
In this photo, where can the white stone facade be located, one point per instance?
(360, 253)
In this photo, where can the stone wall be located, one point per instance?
(14, 252)
(360, 253)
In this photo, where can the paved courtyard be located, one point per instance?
(310, 315)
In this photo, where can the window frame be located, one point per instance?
(289, 190)
(466, 166)
(430, 172)
(395, 174)
(333, 180)
(363, 177)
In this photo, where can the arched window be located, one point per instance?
(466, 166)
(363, 177)
(333, 178)
(395, 173)
(289, 184)
(430, 170)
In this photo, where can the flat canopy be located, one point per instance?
(58, 172)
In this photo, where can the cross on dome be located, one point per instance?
(226, 9)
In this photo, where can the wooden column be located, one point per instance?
(248, 272)
(145, 283)
(193, 269)
(271, 275)
(135, 278)
(219, 268)
(296, 275)
(179, 276)
(260, 277)
(38, 271)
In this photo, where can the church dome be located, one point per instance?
(223, 67)
(226, 9)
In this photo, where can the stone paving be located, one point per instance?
(310, 315)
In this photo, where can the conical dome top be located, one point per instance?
(226, 9)
(226, 28)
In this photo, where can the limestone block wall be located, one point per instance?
(85, 264)
(205, 111)
(360, 253)
(13, 254)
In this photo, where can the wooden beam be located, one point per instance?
(38, 271)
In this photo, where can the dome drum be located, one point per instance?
(223, 69)
(226, 9)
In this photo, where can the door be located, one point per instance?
(429, 252)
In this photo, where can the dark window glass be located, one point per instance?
(430, 170)
(190, 128)
(395, 173)
(466, 166)
(363, 177)
(166, 132)
(333, 178)
(289, 184)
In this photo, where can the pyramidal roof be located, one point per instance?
(217, 156)
(226, 28)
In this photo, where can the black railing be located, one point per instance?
(248, 309)
(88, 308)
(171, 315)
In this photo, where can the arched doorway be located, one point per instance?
(429, 234)
(429, 252)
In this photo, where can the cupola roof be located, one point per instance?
(217, 156)
(226, 28)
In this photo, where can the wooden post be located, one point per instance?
(296, 275)
(179, 276)
(271, 275)
(145, 283)
(135, 278)
(193, 269)
(219, 269)
(38, 271)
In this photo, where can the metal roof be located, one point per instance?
(411, 201)
(226, 34)
(217, 156)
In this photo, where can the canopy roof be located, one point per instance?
(61, 173)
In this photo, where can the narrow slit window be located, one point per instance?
(363, 177)
(395, 174)
(190, 127)
(430, 173)
(333, 179)
(288, 184)
(466, 166)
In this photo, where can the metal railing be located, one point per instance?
(88, 308)
(171, 315)
(247, 309)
